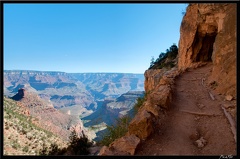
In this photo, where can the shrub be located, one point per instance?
(139, 103)
(170, 54)
(15, 144)
(115, 131)
(54, 150)
(25, 149)
(120, 127)
(79, 146)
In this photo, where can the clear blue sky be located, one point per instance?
(88, 37)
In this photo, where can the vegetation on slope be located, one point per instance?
(76, 146)
(165, 60)
(21, 135)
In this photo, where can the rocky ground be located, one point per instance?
(196, 123)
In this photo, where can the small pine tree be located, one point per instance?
(152, 62)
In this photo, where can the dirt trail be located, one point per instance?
(181, 127)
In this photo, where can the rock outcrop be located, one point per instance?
(208, 33)
(123, 146)
(158, 101)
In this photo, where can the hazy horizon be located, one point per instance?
(72, 72)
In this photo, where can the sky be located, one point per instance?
(94, 37)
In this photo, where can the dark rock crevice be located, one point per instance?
(203, 46)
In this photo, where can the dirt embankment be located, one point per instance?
(196, 123)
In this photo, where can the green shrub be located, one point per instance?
(170, 54)
(115, 131)
(15, 144)
(25, 149)
(139, 103)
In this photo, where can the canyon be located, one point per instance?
(74, 99)
(190, 108)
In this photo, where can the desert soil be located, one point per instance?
(193, 115)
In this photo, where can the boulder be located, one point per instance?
(125, 145)
(161, 97)
(105, 151)
(229, 97)
(141, 125)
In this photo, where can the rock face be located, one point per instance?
(208, 34)
(158, 100)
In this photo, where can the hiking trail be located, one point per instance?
(195, 123)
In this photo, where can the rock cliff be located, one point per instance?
(207, 34)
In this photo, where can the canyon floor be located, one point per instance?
(195, 123)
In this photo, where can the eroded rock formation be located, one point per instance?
(208, 33)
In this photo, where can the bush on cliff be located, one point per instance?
(165, 59)
(80, 145)
(115, 131)
(77, 146)
(119, 129)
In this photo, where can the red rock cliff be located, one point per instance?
(208, 33)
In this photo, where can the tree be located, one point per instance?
(79, 145)
(160, 62)
(152, 62)
(161, 55)
(174, 48)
